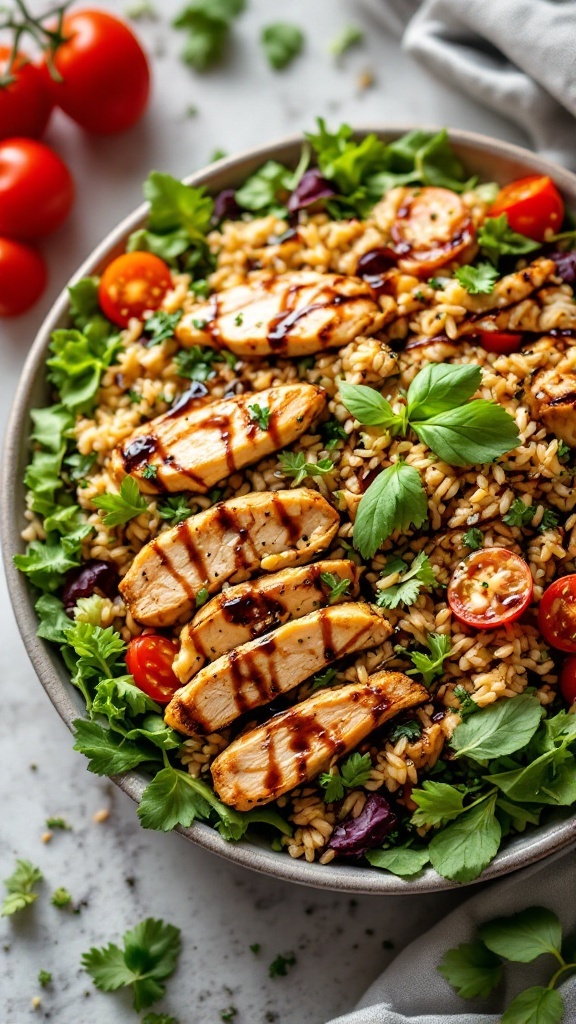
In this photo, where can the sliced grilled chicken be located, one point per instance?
(194, 446)
(264, 530)
(552, 399)
(295, 746)
(258, 671)
(292, 314)
(251, 609)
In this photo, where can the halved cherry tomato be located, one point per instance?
(36, 189)
(432, 227)
(490, 587)
(503, 342)
(105, 74)
(568, 680)
(26, 103)
(23, 277)
(557, 614)
(149, 659)
(533, 205)
(131, 284)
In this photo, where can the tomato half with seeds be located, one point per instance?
(502, 342)
(432, 227)
(533, 206)
(568, 680)
(149, 659)
(557, 614)
(489, 588)
(132, 284)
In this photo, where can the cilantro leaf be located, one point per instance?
(395, 500)
(160, 326)
(468, 705)
(466, 846)
(322, 679)
(430, 665)
(439, 387)
(471, 434)
(355, 771)
(122, 507)
(437, 803)
(496, 238)
(499, 729)
(260, 414)
(368, 406)
(19, 886)
(61, 898)
(348, 37)
(473, 539)
(195, 363)
(519, 514)
(294, 464)
(478, 280)
(536, 1005)
(174, 509)
(44, 978)
(108, 752)
(400, 860)
(471, 969)
(149, 956)
(336, 586)
(407, 589)
(281, 42)
(279, 967)
(411, 730)
(524, 936)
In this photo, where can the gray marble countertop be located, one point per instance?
(117, 873)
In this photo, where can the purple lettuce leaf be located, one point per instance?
(353, 837)
(311, 187)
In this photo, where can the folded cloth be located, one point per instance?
(411, 991)
(516, 56)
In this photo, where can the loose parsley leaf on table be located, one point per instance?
(279, 967)
(148, 958)
(536, 1005)
(208, 24)
(58, 823)
(281, 42)
(524, 936)
(420, 574)
(20, 886)
(477, 280)
(61, 898)
(355, 771)
(122, 507)
(44, 978)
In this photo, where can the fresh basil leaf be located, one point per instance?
(478, 280)
(439, 387)
(499, 729)
(471, 970)
(496, 238)
(472, 434)
(395, 500)
(399, 860)
(465, 847)
(108, 753)
(281, 42)
(536, 1005)
(524, 936)
(368, 406)
(437, 803)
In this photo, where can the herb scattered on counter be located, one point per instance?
(201, 597)
(281, 42)
(336, 586)
(122, 507)
(476, 968)
(160, 326)
(429, 665)
(44, 978)
(58, 823)
(20, 887)
(255, 948)
(477, 280)
(260, 414)
(406, 591)
(61, 898)
(159, 1018)
(148, 958)
(229, 1014)
(350, 36)
(294, 464)
(279, 967)
(355, 771)
(208, 24)
(496, 238)
(174, 509)
(473, 539)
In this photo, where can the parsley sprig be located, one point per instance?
(20, 887)
(496, 238)
(148, 957)
(420, 574)
(355, 771)
(429, 665)
(122, 507)
(260, 414)
(336, 586)
(294, 464)
(477, 280)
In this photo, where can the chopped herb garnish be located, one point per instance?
(563, 451)
(294, 464)
(122, 507)
(20, 886)
(473, 539)
(478, 280)
(406, 591)
(239, 319)
(496, 238)
(468, 705)
(429, 665)
(322, 679)
(355, 771)
(411, 730)
(436, 283)
(58, 823)
(350, 36)
(150, 472)
(549, 520)
(201, 597)
(207, 25)
(60, 898)
(255, 948)
(260, 414)
(229, 1014)
(336, 586)
(519, 514)
(174, 509)
(160, 326)
(279, 967)
(332, 431)
(44, 977)
(281, 43)
(196, 362)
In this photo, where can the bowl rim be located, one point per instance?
(558, 836)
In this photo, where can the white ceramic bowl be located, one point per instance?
(492, 161)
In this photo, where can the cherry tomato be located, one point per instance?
(23, 277)
(568, 680)
(503, 342)
(557, 614)
(25, 104)
(149, 659)
(432, 227)
(533, 205)
(490, 587)
(131, 284)
(36, 189)
(105, 74)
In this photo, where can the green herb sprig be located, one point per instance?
(355, 771)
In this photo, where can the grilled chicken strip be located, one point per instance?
(258, 671)
(194, 446)
(264, 530)
(293, 314)
(293, 747)
(552, 399)
(249, 610)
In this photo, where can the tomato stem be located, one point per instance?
(21, 22)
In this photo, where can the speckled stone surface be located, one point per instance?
(117, 873)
